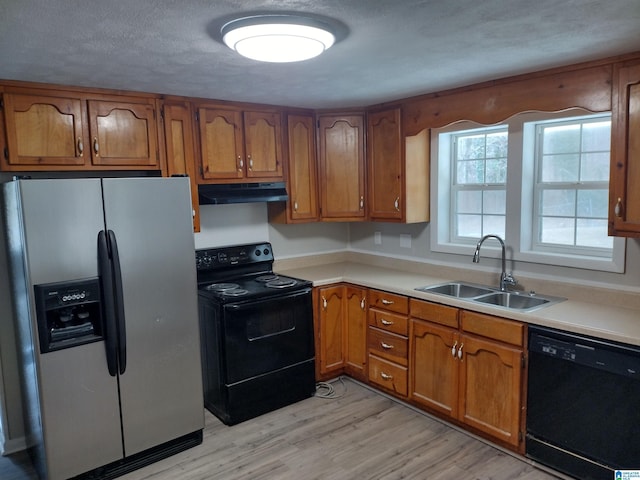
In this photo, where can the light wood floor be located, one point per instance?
(362, 435)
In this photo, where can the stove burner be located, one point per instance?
(266, 278)
(234, 292)
(281, 283)
(222, 287)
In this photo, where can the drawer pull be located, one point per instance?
(453, 350)
(363, 303)
(618, 209)
(386, 376)
(387, 302)
(80, 147)
(324, 303)
(386, 346)
(386, 322)
(460, 351)
(96, 146)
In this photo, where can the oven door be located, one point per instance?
(261, 336)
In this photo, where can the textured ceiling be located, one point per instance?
(394, 48)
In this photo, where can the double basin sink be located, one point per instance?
(482, 294)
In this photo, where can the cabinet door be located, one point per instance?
(263, 144)
(342, 167)
(179, 140)
(303, 187)
(385, 160)
(356, 332)
(43, 131)
(331, 329)
(434, 366)
(624, 195)
(490, 388)
(221, 144)
(123, 134)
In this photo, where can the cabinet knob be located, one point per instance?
(618, 208)
(80, 147)
(96, 147)
(396, 204)
(386, 376)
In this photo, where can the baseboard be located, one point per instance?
(13, 445)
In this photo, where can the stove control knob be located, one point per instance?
(257, 253)
(266, 251)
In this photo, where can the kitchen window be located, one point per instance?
(538, 180)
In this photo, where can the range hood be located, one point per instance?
(242, 193)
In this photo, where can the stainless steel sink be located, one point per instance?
(457, 289)
(482, 294)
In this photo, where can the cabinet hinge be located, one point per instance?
(520, 436)
(162, 113)
(524, 361)
(6, 153)
(1, 102)
(197, 115)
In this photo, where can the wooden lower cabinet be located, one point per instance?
(340, 325)
(388, 375)
(471, 373)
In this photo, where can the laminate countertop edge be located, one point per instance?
(597, 319)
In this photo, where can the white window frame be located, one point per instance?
(520, 196)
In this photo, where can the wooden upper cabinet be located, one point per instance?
(123, 134)
(47, 131)
(342, 167)
(385, 161)
(398, 188)
(180, 148)
(44, 131)
(263, 144)
(238, 145)
(624, 194)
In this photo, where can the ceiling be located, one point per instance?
(394, 48)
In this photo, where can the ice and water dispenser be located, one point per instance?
(69, 314)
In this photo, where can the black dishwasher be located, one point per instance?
(583, 406)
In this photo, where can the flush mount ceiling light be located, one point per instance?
(278, 38)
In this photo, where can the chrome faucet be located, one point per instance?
(505, 278)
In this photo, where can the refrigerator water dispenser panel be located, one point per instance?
(69, 314)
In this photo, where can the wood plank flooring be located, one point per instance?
(361, 435)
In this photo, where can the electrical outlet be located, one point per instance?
(405, 241)
(377, 238)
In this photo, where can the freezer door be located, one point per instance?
(70, 393)
(161, 388)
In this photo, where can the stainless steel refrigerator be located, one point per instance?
(105, 295)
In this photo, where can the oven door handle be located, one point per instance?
(251, 303)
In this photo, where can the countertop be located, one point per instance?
(598, 319)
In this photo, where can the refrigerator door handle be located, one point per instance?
(119, 302)
(106, 278)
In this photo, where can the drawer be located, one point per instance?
(388, 301)
(388, 345)
(496, 328)
(391, 322)
(388, 375)
(434, 312)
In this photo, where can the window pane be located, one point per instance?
(593, 203)
(595, 136)
(494, 201)
(470, 201)
(557, 230)
(497, 145)
(496, 171)
(560, 168)
(470, 172)
(469, 225)
(561, 139)
(595, 167)
(493, 224)
(593, 233)
(558, 202)
(470, 147)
